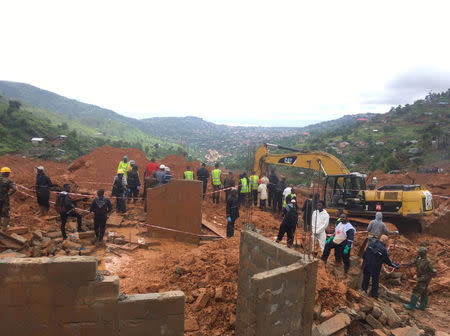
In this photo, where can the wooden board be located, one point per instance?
(214, 228)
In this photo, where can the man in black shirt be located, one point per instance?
(202, 175)
(101, 207)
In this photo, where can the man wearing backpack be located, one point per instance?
(65, 208)
(133, 182)
(5, 186)
(43, 184)
(101, 207)
(119, 191)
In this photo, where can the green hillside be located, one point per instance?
(409, 136)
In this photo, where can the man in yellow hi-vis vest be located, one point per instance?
(254, 187)
(244, 190)
(188, 174)
(217, 183)
(124, 165)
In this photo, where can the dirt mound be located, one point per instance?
(101, 164)
(178, 164)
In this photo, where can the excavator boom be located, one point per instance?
(321, 161)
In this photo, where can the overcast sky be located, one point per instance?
(234, 62)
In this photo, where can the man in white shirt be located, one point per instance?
(262, 191)
(319, 222)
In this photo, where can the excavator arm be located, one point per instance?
(321, 161)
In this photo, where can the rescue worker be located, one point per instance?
(7, 188)
(254, 187)
(65, 207)
(290, 191)
(228, 183)
(244, 190)
(425, 271)
(202, 175)
(150, 168)
(101, 207)
(262, 191)
(319, 222)
(289, 222)
(216, 179)
(377, 228)
(167, 175)
(341, 241)
(119, 191)
(273, 181)
(232, 212)
(307, 213)
(160, 174)
(124, 165)
(375, 255)
(278, 199)
(133, 182)
(188, 174)
(43, 184)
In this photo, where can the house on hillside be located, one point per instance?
(379, 143)
(343, 144)
(413, 150)
(37, 141)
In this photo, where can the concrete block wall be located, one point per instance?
(65, 296)
(176, 206)
(276, 288)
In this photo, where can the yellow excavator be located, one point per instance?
(347, 191)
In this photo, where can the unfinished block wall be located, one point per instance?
(276, 288)
(65, 296)
(176, 206)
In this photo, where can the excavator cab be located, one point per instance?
(345, 191)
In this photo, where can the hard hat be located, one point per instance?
(40, 168)
(162, 167)
(120, 171)
(132, 162)
(293, 201)
(5, 170)
(64, 193)
(168, 169)
(126, 157)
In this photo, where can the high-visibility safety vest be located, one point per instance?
(216, 177)
(245, 188)
(254, 182)
(293, 196)
(188, 175)
(124, 166)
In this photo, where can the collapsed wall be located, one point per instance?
(66, 296)
(175, 210)
(276, 288)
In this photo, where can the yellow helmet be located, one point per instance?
(5, 170)
(119, 171)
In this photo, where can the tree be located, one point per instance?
(391, 163)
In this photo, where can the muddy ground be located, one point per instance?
(213, 266)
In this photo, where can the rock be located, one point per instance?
(35, 242)
(69, 245)
(87, 234)
(317, 310)
(11, 254)
(19, 238)
(219, 294)
(441, 333)
(378, 332)
(366, 305)
(406, 331)
(191, 324)
(383, 318)
(393, 320)
(37, 234)
(332, 325)
(202, 300)
(232, 321)
(58, 240)
(17, 229)
(326, 314)
(376, 312)
(36, 251)
(53, 234)
(353, 295)
(373, 322)
(179, 270)
(189, 299)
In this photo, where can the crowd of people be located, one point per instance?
(272, 192)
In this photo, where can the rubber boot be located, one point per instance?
(412, 304)
(423, 302)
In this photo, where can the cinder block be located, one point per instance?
(107, 289)
(139, 327)
(74, 269)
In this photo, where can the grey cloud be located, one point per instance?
(409, 86)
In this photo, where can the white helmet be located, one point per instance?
(162, 167)
(168, 169)
(132, 162)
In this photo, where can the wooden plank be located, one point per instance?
(9, 242)
(114, 220)
(214, 228)
(125, 247)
